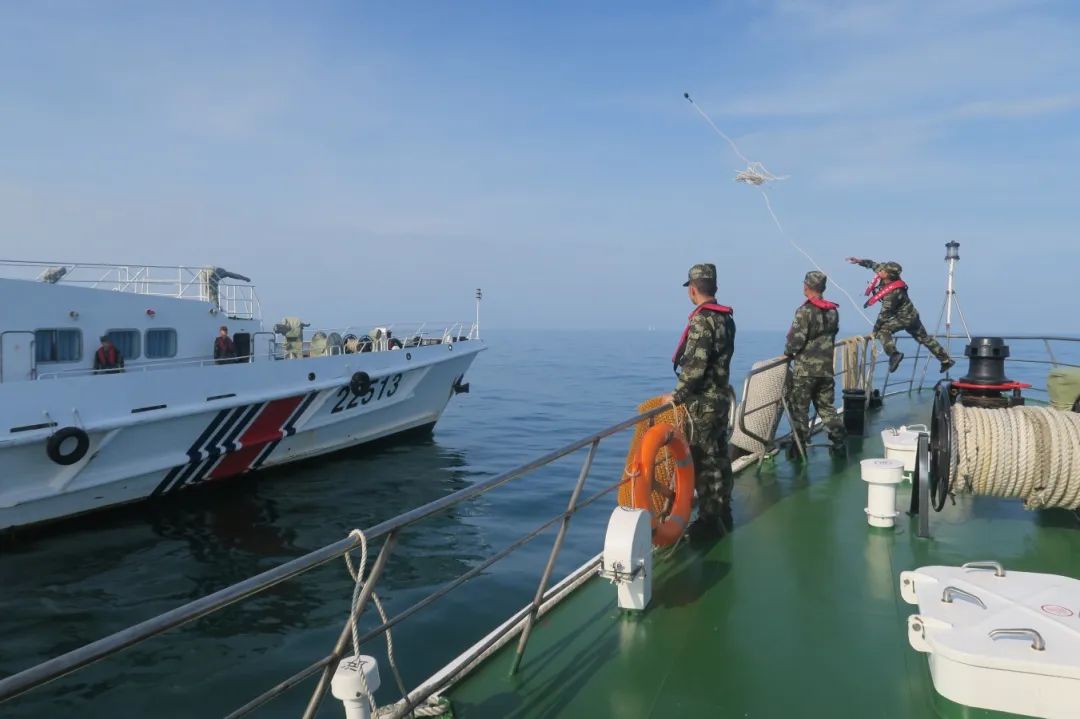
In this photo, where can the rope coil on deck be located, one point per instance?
(1032, 453)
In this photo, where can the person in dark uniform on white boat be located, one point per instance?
(224, 348)
(107, 359)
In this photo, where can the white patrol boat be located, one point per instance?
(75, 439)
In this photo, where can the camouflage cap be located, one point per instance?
(893, 269)
(815, 280)
(703, 271)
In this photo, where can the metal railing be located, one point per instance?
(388, 530)
(522, 622)
(272, 347)
(863, 371)
(1045, 341)
(323, 342)
(177, 281)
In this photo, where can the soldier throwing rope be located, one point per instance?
(897, 312)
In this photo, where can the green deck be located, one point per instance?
(797, 613)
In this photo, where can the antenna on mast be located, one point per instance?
(952, 256)
(476, 327)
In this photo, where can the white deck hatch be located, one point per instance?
(996, 639)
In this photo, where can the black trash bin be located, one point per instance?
(855, 411)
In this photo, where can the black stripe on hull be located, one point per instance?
(177, 476)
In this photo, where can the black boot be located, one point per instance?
(894, 361)
(793, 451)
(947, 363)
(706, 528)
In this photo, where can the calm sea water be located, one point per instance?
(531, 392)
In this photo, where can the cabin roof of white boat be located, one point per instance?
(234, 291)
(54, 313)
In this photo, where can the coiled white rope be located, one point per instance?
(1032, 453)
(433, 706)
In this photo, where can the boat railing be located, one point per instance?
(268, 346)
(517, 626)
(320, 342)
(520, 625)
(1034, 344)
(234, 295)
(857, 371)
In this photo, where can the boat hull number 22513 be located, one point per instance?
(378, 389)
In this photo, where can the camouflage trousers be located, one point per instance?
(821, 391)
(886, 326)
(713, 478)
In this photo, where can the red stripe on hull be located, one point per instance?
(267, 427)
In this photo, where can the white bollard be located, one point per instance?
(627, 560)
(882, 476)
(349, 688)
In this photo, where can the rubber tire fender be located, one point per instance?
(360, 383)
(55, 442)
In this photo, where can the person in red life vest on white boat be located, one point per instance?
(224, 349)
(897, 312)
(107, 359)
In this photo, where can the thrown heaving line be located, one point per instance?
(757, 175)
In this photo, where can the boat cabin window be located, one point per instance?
(160, 343)
(58, 345)
(127, 342)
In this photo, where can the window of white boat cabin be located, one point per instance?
(126, 342)
(160, 343)
(59, 345)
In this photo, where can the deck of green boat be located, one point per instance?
(796, 613)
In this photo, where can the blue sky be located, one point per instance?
(366, 162)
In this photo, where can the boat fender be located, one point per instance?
(360, 383)
(54, 447)
(667, 529)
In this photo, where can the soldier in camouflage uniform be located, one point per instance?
(704, 358)
(897, 313)
(810, 348)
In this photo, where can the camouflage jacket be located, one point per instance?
(810, 341)
(706, 362)
(896, 303)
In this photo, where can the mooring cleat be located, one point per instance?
(894, 361)
(946, 364)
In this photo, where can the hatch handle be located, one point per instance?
(951, 592)
(1037, 642)
(999, 571)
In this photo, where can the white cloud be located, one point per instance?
(1026, 107)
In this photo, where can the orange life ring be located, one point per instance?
(666, 531)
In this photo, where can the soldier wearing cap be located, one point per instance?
(703, 362)
(809, 346)
(897, 312)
